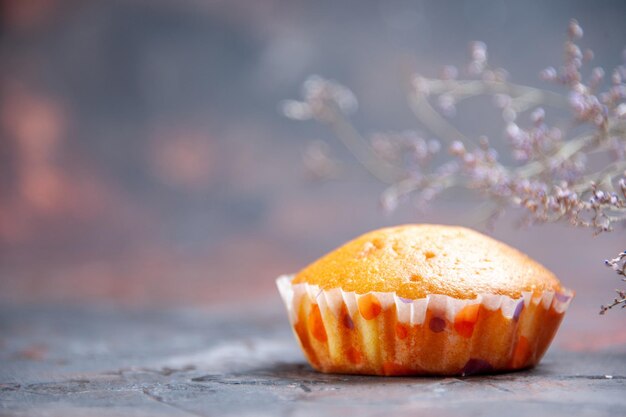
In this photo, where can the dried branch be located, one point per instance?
(618, 264)
(549, 177)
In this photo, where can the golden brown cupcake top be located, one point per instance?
(416, 260)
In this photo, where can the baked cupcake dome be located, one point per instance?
(424, 299)
(417, 260)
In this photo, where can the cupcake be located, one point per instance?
(424, 300)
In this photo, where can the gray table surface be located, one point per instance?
(105, 361)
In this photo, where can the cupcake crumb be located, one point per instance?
(416, 277)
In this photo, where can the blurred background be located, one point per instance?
(143, 159)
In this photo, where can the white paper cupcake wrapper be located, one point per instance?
(414, 313)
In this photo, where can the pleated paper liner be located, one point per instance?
(379, 333)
